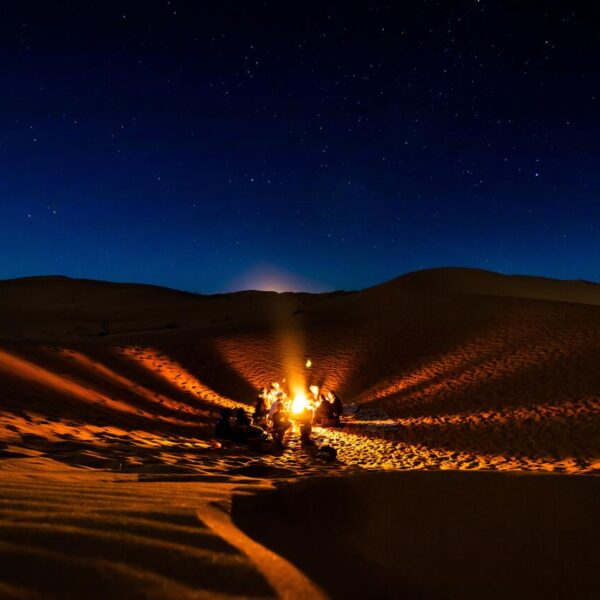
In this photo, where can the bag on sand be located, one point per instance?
(327, 452)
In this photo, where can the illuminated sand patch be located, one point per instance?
(538, 413)
(370, 450)
(546, 436)
(158, 363)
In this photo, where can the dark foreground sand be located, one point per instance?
(84, 533)
(112, 486)
(436, 534)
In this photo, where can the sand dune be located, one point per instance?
(105, 440)
(487, 283)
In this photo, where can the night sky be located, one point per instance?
(212, 146)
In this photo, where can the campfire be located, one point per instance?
(299, 403)
(303, 404)
(296, 402)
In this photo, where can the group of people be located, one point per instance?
(329, 411)
(235, 425)
(274, 414)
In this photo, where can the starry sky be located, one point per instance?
(214, 146)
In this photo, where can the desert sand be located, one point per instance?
(113, 486)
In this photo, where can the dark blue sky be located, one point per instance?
(215, 147)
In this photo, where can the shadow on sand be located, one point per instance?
(435, 534)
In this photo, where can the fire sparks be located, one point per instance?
(308, 363)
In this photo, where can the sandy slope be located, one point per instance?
(452, 369)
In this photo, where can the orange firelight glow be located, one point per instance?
(300, 402)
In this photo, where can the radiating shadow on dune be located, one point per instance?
(408, 354)
(431, 352)
(115, 377)
(162, 365)
(510, 380)
(424, 376)
(208, 365)
(65, 396)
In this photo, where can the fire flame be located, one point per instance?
(308, 363)
(300, 402)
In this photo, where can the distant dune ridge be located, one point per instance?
(480, 282)
(112, 388)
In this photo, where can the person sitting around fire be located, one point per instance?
(223, 425)
(323, 413)
(261, 409)
(336, 407)
(280, 399)
(242, 430)
(305, 421)
(280, 422)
